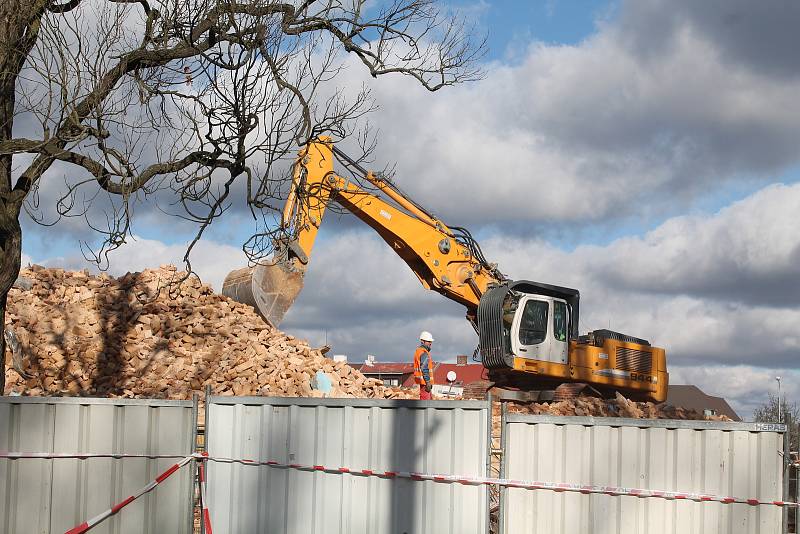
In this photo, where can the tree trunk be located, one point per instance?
(10, 263)
(10, 231)
(3, 301)
(18, 31)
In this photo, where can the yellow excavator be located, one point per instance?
(527, 331)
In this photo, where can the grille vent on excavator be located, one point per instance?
(634, 359)
(490, 329)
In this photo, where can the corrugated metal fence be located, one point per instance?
(737, 459)
(423, 436)
(51, 496)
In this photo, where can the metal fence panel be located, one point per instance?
(46, 496)
(730, 459)
(420, 436)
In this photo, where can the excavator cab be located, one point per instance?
(527, 320)
(538, 330)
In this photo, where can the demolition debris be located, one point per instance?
(149, 334)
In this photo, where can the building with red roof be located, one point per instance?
(392, 374)
(402, 374)
(466, 373)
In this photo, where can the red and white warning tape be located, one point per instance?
(205, 515)
(84, 455)
(616, 491)
(89, 524)
(86, 525)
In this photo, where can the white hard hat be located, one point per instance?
(425, 336)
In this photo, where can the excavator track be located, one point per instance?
(481, 389)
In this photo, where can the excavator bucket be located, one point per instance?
(270, 289)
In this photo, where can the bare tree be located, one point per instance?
(788, 414)
(192, 100)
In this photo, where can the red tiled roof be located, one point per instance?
(387, 368)
(465, 374)
(689, 396)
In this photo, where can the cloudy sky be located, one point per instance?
(642, 151)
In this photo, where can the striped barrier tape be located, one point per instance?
(84, 455)
(205, 515)
(615, 491)
(96, 520)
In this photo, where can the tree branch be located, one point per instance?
(52, 7)
(20, 145)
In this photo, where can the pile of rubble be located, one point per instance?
(618, 407)
(151, 334)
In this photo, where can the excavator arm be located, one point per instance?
(444, 260)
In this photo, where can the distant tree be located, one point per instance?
(790, 415)
(191, 101)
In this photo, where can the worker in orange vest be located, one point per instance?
(423, 366)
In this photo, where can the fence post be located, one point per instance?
(205, 447)
(489, 447)
(502, 494)
(195, 415)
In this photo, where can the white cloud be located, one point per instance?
(745, 387)
(366, 300)
(210, 260)
(661, 105)
(748, 251)
(595, 131)
(721, 288)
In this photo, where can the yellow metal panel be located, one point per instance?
(413, 235)
(591, 364)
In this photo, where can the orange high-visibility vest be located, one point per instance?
(418, 378)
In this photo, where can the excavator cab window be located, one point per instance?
(560, 320)
(533, 323)
(509, 310)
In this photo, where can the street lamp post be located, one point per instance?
(780, 408)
